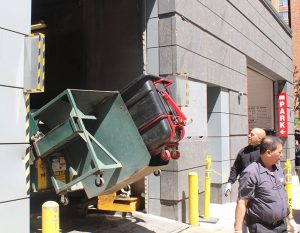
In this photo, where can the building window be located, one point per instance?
(283, 2)
(284, 16)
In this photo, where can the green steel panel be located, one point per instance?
(95, 133)
(56, 138)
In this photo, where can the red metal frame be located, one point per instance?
(176, 121)
(166, 82)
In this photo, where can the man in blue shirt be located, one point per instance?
(262, 197)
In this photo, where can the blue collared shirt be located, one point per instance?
(265, 191)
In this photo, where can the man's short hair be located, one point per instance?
(269, 143)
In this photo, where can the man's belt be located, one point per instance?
(251, 219)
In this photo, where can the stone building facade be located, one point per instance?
(237, 57)
(228, 58)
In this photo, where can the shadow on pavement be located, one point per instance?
(96, 223)
(76, 220)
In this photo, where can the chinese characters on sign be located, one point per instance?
(282, 115)
(259, 116)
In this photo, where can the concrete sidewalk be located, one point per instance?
(96, 222)
(226, 212)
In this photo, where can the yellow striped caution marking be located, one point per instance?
(27, 104)
(27, 169)
(27, 153)
(187, 94)
(41, 64)
(37, 89)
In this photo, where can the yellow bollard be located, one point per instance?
(207, 187)
(289, 184)
(50, 217)
(193, 199)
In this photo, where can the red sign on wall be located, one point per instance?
(282, 115)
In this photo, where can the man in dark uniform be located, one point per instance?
(245, 157)
(262, 196)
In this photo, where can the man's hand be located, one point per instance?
(227, 189)
(292, 225)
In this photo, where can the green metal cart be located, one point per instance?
(91, 137)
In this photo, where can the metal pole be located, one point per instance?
(193, 199)
(50, 217)
(289, 184)
(207, 187)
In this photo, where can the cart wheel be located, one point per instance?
(64, 200)
(127, 188)
(175, 154)
(157, 173)
(99, 181)
(165, 155)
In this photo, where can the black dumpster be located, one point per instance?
(157, 117)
